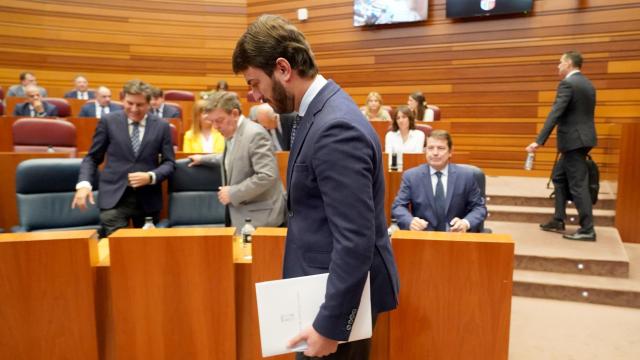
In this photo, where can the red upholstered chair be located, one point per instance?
(179, 95)
(436, 112)
(1, 108)
(426, 129)
(64, 109)
(44, 135)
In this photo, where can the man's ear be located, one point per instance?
(283, 69)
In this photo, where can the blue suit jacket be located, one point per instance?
(112, 139)
(336, 220)
(463, 198)
(169, 112)
(89, 109)
(73, 94)
(22, 109)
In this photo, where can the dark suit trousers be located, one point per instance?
(571, 175)
(356, 350)
(127, 208)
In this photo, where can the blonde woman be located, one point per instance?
(373, 110)
(202, 137)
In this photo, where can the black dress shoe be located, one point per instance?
(553, 225)
(582, 236)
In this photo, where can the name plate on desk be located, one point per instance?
(286, 307)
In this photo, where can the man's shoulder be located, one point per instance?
(419, 170)
(70, 94)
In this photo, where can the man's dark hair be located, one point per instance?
(271, 37)
(137, 87)
(23, 75)
(156, 92)
(575, 57)
(442, 135)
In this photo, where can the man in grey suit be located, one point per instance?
(252, 186)
(573, 113)
(26, 79)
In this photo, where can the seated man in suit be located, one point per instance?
(81, 90)
(160, 109)
(280, 136)
(442, 195)
(35, 107)
(252, 186)
(139, 157)
(26, 78)
(101, 106)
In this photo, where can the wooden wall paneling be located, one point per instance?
(47, 292)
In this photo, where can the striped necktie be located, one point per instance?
(440, 204)
(135, 137)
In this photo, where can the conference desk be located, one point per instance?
(189, 293)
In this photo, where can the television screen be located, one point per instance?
(469, 8)
(378, 12)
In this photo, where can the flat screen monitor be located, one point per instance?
(379, 12)
(471, 8)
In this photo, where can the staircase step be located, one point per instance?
(583, 288)
(538, 215)
(547, 251)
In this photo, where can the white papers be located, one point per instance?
(286, 307)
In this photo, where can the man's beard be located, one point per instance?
(281, 101)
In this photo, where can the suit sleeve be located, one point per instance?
(168, 158)
(265, 171)
(84, 112)
(400, 207)
(476, 206)
(53, 110)
(563, 96)
(344, 162)
(95, 156)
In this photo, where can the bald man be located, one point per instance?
(81, 89)
(277, 125)
(101, 106)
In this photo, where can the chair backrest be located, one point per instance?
(1, 107)
(193, 195)
(426, 129)
(436, 111)
(64, 109)
(42, 135)
(44, 192)
(179, 95)
(480, 177)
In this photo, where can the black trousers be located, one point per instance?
(571, 177)
(127, 208)
(355, 350)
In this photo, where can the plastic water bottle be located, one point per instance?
(247, 231)
(148, 223)
(528, 164)
(50, 149)
(393, 227)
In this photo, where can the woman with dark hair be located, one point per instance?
(404, 138)
(418, 105)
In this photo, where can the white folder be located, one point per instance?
(286, 307)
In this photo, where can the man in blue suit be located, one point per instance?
(101, 106)
(443, 196)
(81, 90)
(335, 185)
(160, 109)
(34, 107)
(139, 157)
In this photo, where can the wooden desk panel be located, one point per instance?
(47, 292)
(455, 296)
(173, 293)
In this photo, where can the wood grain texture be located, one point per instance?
(47, 292)
(173, 293)
(627, 214)
(455, 298)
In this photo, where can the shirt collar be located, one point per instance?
(444, 171)
(572, 72)
(143, 122)
(311, 93)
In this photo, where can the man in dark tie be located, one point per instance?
(101, 106)
(81, 90)
(439, 196)
(139, 157)
(160, 108)
(573, 112)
